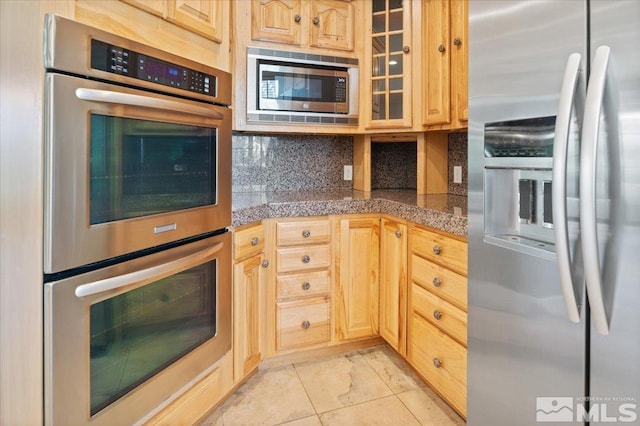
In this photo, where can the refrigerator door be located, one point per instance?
(615, 370)
(525, 356)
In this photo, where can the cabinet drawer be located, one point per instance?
(303, 232)
(440, 281)
(438, 248)
(302, 258)
(303, 322)
(302, 285)
(441, 360)
(443, 315)
(248, 242)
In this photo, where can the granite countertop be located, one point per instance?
(445, 212)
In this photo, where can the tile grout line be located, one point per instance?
(306, 393)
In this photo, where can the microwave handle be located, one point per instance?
(148, 275)
(111, 97)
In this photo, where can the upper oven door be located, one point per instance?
(127, 170)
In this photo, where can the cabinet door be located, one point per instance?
(357, 295)
(248, 277)
(393, 284)
(276, 20)
(437, 58)
(459, 59)
(332, 24)
(199, 16)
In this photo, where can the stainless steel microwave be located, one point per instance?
(300, 87)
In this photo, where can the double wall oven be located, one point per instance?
(137, 265)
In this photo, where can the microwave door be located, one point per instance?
(127, 170)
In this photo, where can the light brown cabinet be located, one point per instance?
(445, 63)
(437, 317)
(393, 283)
(248, 284)
(325, 24)
(357, 251)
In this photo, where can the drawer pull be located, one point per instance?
(398, 234)
(306, 325)
(306, 259)
(436, 282)
(437, 363)
(437, 250)
(255, 241)
(437, 314)
(441, 48)
(306, 285)
(306, 233)
(265, 263)
(297, 18)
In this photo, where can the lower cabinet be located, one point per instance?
(357, 253)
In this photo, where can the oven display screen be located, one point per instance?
(163, 70)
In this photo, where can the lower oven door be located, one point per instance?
(122, 339)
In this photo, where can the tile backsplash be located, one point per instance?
(315, 162)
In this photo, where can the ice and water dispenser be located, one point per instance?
(518, 162)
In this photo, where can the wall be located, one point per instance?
(457, 153)
(394, 165)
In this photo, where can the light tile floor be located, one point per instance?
(374, 386)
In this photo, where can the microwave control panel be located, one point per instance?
(118, 60)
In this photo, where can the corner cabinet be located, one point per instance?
(325, 24)
(356, 301)
(445, 61)
(387, 66)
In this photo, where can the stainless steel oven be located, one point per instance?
(137, 146)
(137, 254)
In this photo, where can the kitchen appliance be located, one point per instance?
(137, 254)
(297, 87)
(137, 146)
(554, 202)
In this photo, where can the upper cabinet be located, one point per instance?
(445, 63)
(387, 65)
(201, 17)
(326, 24)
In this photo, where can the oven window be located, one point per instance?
(142, 167)
(137, 334)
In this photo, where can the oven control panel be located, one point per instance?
(117, 60)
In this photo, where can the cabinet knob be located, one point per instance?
(265, 263)
(306, 325)
(306, 259)
(306, 285)
(255, 241)
(398, 234)
(437, 363)
(441, 48)
(306, 233)
(437, 250)
(316, 20)
(436, 282)
(457, 41)
(406, 49)
(297, 18)
(437, 314)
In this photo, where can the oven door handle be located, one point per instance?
(110, 97)
(145, 276)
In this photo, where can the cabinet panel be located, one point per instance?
(441, 360)
(302, 258)
(248, 242)
(303, 285)
(436, 21)
(440, 249)
(393, 283)
(357, 291)
(459, 63)
(155, 7)
(303, 232)
(443, 315)
(276, 20)
(202, 17)
(303, 323)
(440, 281)
(332, 24)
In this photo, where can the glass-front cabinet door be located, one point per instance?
(389, 50)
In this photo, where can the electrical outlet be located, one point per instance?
(348, 172)
(457, 174)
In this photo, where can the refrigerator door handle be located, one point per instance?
(588, 156)
(571, 97)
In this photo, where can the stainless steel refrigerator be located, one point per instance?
(554, 212)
